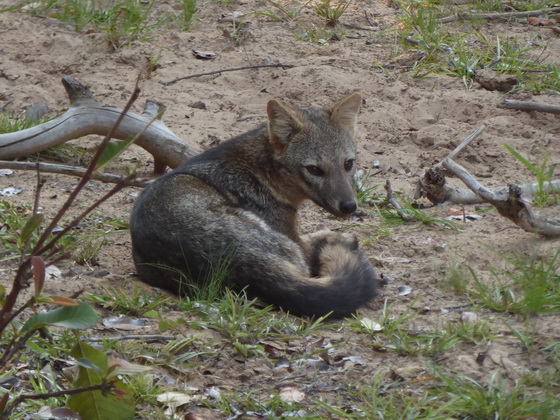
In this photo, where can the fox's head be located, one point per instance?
(315, 151)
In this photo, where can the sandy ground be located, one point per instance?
(406, 126)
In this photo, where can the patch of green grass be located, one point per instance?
(280, 12)
(365, 191)
(387, 320)
(122, 21)
(123, 301)
(11, 124)
(331, 12)
(381, 398)
(530, 285)
(240, 320)
(320, 35)
(509, 6)
(429, 343)
(65, 153)
(455, 278)
(473, 332)
(186, 18)
(409, 212)
(83, 244)
(13, 233)
(492, 399)
(462, 54)
(544, 195)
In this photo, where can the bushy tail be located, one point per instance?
(346, 282)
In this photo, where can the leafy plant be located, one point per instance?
(331, 13)
(544, 174)
(320, 35)
(531, 285)
(284, 12)
(35, 256)
(122, 21)
(364, 189)
(495, 399)
(135, 303)
(186, 18)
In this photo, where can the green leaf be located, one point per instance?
(74, 317)
(112, 151)
(10, 9)
(88, 364)
(30, 226)
(521, 159)
(93, 405)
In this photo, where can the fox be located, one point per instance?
(236, 205)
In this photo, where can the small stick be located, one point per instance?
(393, 201)
(284, 66)
(494, 16)
(103, 387)
(529, 106)
(463, 145)
(132, 337)
(513, 206)
(72, 170)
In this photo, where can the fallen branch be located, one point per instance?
(464, 144)
(393, 201)
(529, 106)
(433, 185)
(209, 73)
(497, 16)
(131, 337)
(513, 207)
(86, 116)
(103, 387)
(74, 171)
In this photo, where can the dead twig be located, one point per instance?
(464, 144)
(103, 387)
(74, 171)
(529, 106)
(497, 16)
(132, 337)
(433, 185)
(393, 201)
(513, 207)
(209, 73)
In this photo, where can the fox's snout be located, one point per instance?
(347, 207)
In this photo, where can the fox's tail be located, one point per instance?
(346, 281)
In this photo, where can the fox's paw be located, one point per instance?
(333, 252)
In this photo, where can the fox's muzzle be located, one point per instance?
(347, 207)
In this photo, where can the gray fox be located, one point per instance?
(238, 202)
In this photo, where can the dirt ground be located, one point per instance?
(406, 125)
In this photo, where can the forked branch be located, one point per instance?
(86, 116)
(513, 206)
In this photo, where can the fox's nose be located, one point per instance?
(348, 207)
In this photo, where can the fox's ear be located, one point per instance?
(345, 112)
(283, 123)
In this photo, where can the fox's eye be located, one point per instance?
(349, 164)
(314, 170)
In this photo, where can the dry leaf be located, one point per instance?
(404, 290)
(370, 324)
(291, 394)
